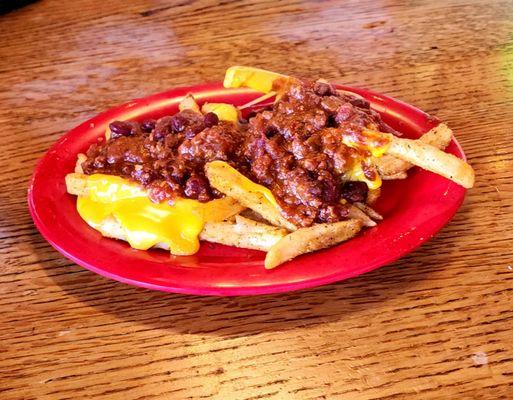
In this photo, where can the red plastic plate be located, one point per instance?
(414, 210)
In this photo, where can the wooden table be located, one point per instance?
(435, 325)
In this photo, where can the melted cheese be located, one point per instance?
(253, 78)
(369, 140)
(356, 174)
(376, 143)
(230, 174)
(145, 223)
(225, 112)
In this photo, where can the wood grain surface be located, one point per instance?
(438, 324)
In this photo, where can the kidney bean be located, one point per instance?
(148, 125)
(323, 88)
(120, 128)
(355, 192)
(196, 187)
(210, 119)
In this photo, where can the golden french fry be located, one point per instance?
(439, 137)
(391, 167)
(111, 228)
(433, 159)
(256, 226)
(369, 211)
(78, 166)
(250, 214)
(356, 213)
(76, 183)
(306, 240)
(373, 195)
(232, 183)
(397, 176)
(189, 103)
(243, 233)
(346, 92)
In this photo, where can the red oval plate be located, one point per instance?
(414, 210)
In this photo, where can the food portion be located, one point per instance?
(102, 198)
(296, 176)
(167, 157)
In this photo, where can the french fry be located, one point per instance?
(243, 233)
(232, 183)
(356, 213)
(391, 167)
(439, 137)
(396, 176)
(111, 228)
(347, 92)
(369, 211)
(250, 214)
(78, 166)
(189, 103)
(255, 226)
(76, 184)
(433, 159)
(373, 195)
(306, 240)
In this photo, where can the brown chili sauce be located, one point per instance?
(293, 147)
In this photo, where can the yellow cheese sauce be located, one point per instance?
(356, 174)
(224, 111)
(254, 78)
(373, 142)
(146, 223)
(232, 175)
(377, 143)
